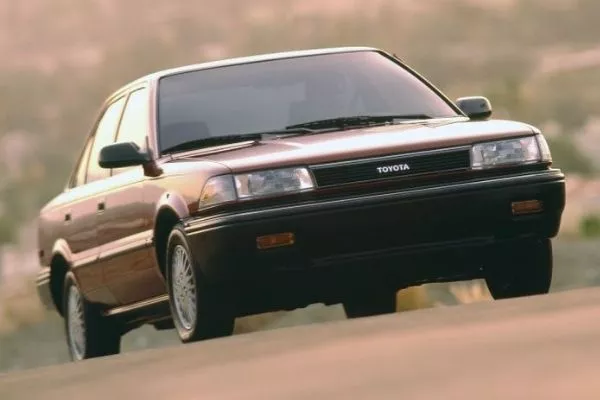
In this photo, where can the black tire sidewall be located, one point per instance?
(177, 237)
(69, 282)
(215, 316)
(524, 271)
(102, 337)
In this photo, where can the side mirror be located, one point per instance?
(119, 155)
(475, 107)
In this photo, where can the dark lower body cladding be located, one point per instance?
(398, 239)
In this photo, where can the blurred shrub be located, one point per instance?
(466, 292)
(589, 226)
(19, 306)
(255, 323)
(8, 228)
(413, 298)
(568, 157)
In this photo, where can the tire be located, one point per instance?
(200, 311)
(376, 303)
(525, 269)
(89, 334)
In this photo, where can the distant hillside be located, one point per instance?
(50, 34)
(535, 59)
(47, 35)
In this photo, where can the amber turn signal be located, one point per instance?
(275, 240)
(527, 207)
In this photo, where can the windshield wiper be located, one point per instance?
(357, 120)
(230, 139)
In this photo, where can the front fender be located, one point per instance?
(174, 202)
(61, 248)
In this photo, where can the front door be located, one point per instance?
(125, 231)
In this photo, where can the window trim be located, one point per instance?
(95, 128)
(90, 137)
(84, 155)
(124, 97)
(124, 91)
(426, 81)
(436, 91)
(128, 94)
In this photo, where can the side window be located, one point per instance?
(79, 176)
(134, 123)
(104, 135)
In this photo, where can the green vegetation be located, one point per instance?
(589, 226)
(462, 47)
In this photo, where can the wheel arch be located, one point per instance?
(60, 265)
(170, 210)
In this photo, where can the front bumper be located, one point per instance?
(378, 229)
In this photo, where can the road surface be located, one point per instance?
(545, 347)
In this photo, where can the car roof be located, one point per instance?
(155, 76)
(252, 59)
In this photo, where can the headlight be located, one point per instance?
(274, 182)
(524, 150)
(228, 188)
(545, 153)
(217, 190)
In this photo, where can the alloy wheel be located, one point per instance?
(183, 287)
(76, 324)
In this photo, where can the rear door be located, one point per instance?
(125, 229)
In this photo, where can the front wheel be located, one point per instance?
(89, 333)
(200, 311)
(524, 269)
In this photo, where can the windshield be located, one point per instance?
(272, 95)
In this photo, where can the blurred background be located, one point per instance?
(537, 60)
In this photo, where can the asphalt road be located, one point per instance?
(545, 347)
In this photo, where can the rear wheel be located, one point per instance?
(369, 303)
(523, 269)
(200, 311)
(89, 334)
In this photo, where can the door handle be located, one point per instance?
(101, 206)
(67, 217)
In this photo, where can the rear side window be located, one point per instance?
(79, 177)
(103, 136)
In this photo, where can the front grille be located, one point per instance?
(397, 166)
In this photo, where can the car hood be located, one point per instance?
(357, 143)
